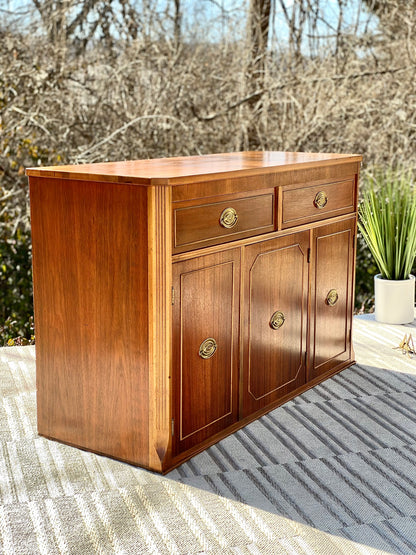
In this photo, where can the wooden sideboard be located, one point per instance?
(178, 299)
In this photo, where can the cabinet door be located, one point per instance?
(275, 299)
(332, 288)
(205, 346)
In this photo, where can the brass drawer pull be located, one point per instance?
(277, 320)
(228, 218)
(207, 348)
(332, 297)
(321, 199)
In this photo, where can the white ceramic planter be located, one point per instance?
(394, 300)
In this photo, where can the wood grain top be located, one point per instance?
(182, 170)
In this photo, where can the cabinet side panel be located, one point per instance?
(91, 314)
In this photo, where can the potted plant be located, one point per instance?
(387, 221)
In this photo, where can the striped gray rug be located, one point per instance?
(333, 471)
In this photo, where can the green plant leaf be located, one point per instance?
(387, 221)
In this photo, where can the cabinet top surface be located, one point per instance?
(175, 171)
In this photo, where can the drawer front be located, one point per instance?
(317, 202)
(215, 222)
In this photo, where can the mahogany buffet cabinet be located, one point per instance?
(177, 300)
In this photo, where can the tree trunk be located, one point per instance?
(177, 23)
(258, 34)
(259, 23)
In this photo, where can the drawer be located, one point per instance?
(210, 223)
(316, 202)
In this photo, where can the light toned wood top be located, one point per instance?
(182, 170)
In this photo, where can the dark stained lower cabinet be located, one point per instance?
(259, 350)
(205, 346)
(275, 319)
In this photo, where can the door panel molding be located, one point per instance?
(205, 383)
(277, 282)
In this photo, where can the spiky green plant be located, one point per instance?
(387, 221)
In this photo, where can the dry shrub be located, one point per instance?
(147, 97)
(150, 99)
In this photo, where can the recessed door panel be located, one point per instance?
(332, 290)
(206, 314)
(275, 319)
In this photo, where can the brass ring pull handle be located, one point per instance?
(332, 297)
(321, 199)
(277, 320)
(228, 218)
(207, 348)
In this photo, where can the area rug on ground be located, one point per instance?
(333, 471)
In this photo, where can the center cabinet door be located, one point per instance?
(205, 346)
(275, 319)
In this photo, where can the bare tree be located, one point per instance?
(350, 91)
(258, 29)
(177, 22)
(296, 17)
(78, 23)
